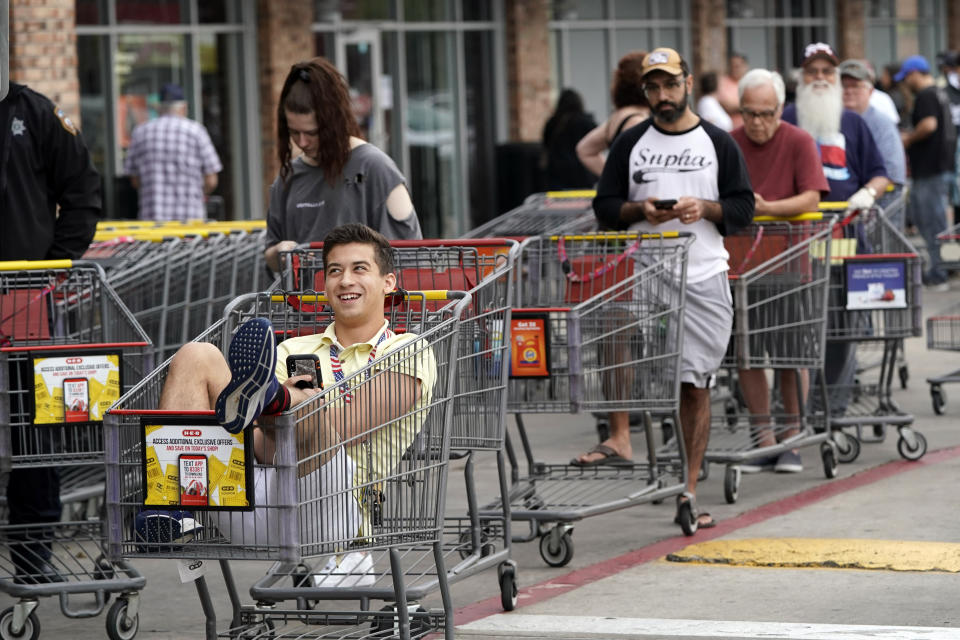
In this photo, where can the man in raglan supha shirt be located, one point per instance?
(676, 155)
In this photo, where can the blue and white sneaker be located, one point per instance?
(253, 383)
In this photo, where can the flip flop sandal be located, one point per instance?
(610, 458)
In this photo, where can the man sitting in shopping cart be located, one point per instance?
(788, 180)
(252, 381)
(676, 172)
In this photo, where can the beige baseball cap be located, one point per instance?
(663, 59)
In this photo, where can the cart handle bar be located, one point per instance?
(428, 294)
(453, 244)
(34, 265)
(666, 235)
(75, 347)
(160, 412)
(572, 194)
(810, 216)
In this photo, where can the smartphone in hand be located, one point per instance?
(303, 364)
(664, 204)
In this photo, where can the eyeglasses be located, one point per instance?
(762, 115)
(669, 85)
(827, 71)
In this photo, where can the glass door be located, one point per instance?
(359, 59)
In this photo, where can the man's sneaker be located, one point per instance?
(253, 382)
(354, 570)
(758, 464)
(789, 462)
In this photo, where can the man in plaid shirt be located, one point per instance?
(171, 162)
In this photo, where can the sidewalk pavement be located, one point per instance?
(619, 585)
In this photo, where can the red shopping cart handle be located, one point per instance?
(159, 412)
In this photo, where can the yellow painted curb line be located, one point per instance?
(885, 555)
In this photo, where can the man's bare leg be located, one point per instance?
(791, 403)
(619, 439)
(197, 375)
(695, 423)
(756, 393)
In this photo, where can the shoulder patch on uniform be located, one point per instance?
(65, 121)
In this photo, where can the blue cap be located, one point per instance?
(171, 93)
(913, 63)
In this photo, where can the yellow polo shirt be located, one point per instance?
(376, 456)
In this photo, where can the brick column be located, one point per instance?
(43, 51)
(708, 31)
(953, 26)
(851, 20)
(284, 38)
(528, 67)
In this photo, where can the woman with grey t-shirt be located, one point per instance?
(339, 178)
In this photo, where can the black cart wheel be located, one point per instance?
(917, 451)
(938, 398)
(829, 457)
(556, 553)
(904, 374)
(880, 432)
(688, 522)
(30, 630)
(603, 430)
(508, 587)
(848, 448)
(731, 484)
(119, 625)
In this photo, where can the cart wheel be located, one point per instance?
(382, 626)
(904, 374)
(939, 399)
(704, 471)
(829, 457)
(262, 630)
(730, 409)
(508, 588)
(903, 447)
(119, 625)
(848, 447)
(559, 554)
(685, 514)
(667, 429)
(731, 484)
(603, 430)
(464, 548)
(880, 432)
(30, 630)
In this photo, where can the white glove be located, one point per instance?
(862, 199)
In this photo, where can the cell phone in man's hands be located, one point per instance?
(664, 204)
(303, 364)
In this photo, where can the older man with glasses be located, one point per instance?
(857, 79)
(787, 180)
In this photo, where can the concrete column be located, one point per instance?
(708, 31)
(284, 38)
(528, 67)
(851, 29)
(953, 26)
(43, 51)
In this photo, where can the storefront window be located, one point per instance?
(90, 12)
(427, 10)
(335, 10)
(481, 125)
(151, 11)
(94, 116)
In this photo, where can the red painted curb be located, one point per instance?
(562, 584)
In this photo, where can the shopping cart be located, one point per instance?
(388, 493)
(68, 349)
(484, 268)
(597, 327)
(543, 213)
(949, 241)
(875, 297)
(943, 334)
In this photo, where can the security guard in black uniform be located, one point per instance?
(49, 207)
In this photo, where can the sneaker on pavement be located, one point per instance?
(789, 462)
(758, 464)
(253, 382)
(355, 569)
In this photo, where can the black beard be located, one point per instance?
(671, 116)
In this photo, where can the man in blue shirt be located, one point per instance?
(851, 161)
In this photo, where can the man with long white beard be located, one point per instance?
(851, 161)
(855, 171)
